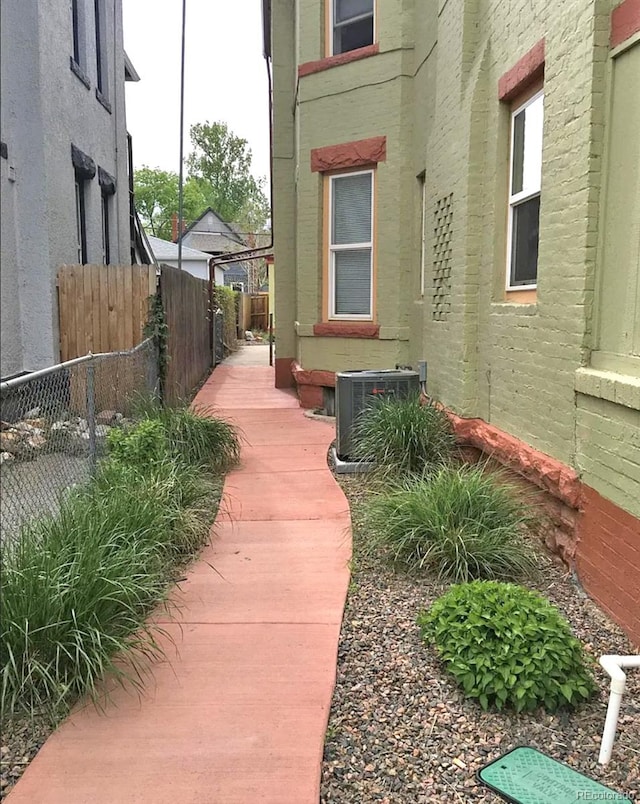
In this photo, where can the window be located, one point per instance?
(101, 50)
(423, 230)
(81, 220)
(524, 194)
(75, 20)
(352, 24)
(351, 245)
(78, 56)
(106, 255)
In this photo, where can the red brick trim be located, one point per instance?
(528, 69)
(349, 154)
(608, 559)
(544, 471)
(625, 21)
(284, 377)
(347, 329)
(310, 384)
(313, 376)
(310, 67)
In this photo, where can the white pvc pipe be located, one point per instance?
(613, 665)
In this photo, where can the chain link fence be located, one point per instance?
(55, 424)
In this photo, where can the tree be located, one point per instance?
(221, 161)
(219, 176)
(156, 194)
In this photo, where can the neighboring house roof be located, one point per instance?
(166, 250)
(223, 237)
(212, 242)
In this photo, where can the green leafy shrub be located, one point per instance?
(144, 444)
(404, 435)
(461, 523)
(508, 647)
(197, 437)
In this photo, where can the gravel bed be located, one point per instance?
(400, 730)
(22, 738)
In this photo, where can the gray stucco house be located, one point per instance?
(64, 164)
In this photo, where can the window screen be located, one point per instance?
(351, 244)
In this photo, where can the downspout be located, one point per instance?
(613, 665)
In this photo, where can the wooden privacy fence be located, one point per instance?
(260, 311)
(103, 308)
(185, 300)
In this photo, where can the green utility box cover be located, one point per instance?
(527, 776)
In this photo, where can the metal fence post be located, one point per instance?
(271, 339)
(91, 416)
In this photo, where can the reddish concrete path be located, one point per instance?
(238, 715)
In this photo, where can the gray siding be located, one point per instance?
(46, 108)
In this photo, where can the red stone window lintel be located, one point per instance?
(625, 21)
(524, 72)
(361, 153)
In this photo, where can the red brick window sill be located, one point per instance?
(625, 21)
(347, 329)
(310, 67)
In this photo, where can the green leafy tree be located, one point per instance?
(219, 176)
(156, 194)
(221, 161)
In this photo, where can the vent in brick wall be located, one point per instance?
(442, 230)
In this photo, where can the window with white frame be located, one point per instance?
(351, 245)
(352, 24)
(524, 194)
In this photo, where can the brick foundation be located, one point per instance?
(608, 559)
(309, 385)
(284, 377)
(585, 530)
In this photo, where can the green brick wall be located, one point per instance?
(433, 92)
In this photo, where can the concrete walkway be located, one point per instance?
(238, 715)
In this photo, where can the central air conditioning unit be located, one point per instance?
(356, 390)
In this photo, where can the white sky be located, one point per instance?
(225, 76)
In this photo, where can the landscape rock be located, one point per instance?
(6, 457)
(10, 441)
(36, 441)
(107, 417)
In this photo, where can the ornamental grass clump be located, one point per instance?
(404, 435)
(460, 523)
(196, 437)
(79, 585)
(508, 647)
